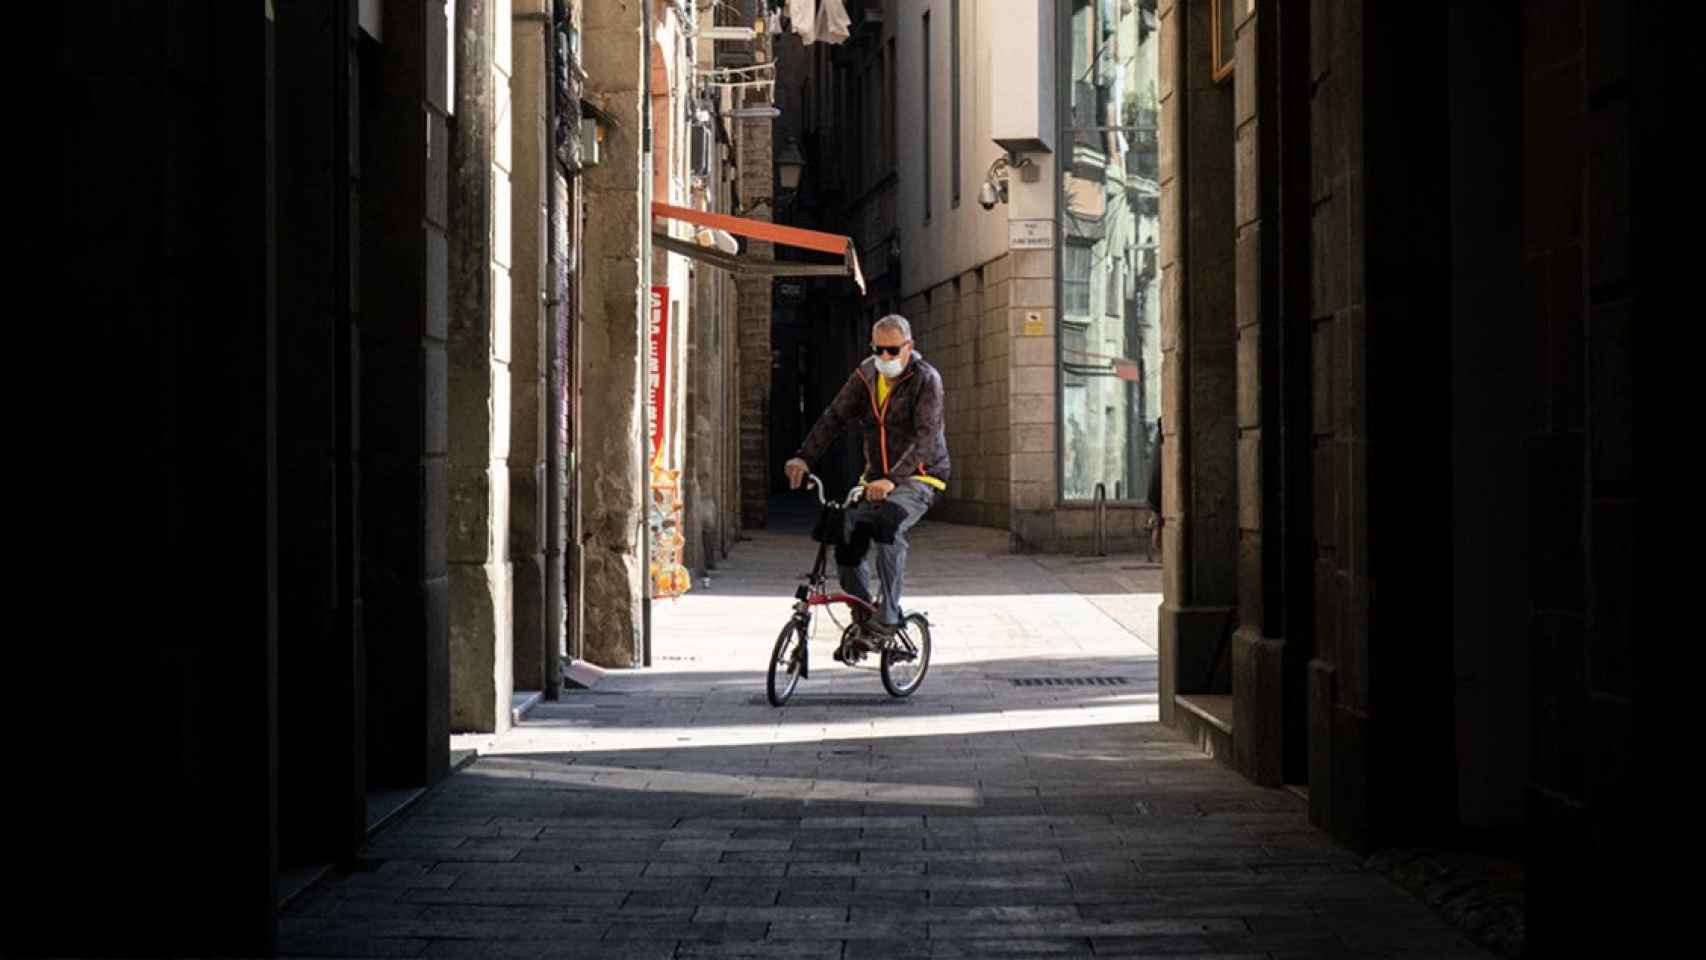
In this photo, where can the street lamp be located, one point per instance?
(789, 164)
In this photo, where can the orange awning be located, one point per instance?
(832, 243)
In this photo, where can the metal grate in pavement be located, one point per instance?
(1070, 681)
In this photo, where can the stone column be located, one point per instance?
(1598, 265)
(756, 469)
(704, 423)
(482, 655)
(322, 763)
(530, 348)
(996, 346)
(1387, 763)
(1258, 678)
(157, 502)
(1199, 366)
(404, 399)
(612, 344)
(1030, 394)
(731, 476)
(562, 603)
(562, 563)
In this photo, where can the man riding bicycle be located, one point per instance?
(897, 398)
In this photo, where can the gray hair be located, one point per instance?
(893, 321)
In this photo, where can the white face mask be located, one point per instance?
(890, 366)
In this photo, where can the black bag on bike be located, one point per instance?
(828, 528)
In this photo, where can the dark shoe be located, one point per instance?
(878, 630)
(853, 645)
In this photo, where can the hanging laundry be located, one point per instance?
(1117, 107)
(833, 21)
(803, 15)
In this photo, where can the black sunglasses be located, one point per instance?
(887, 351)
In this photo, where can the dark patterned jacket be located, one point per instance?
(904, 437)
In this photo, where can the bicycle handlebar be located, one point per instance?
(814, 483)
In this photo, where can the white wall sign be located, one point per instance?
(1030, 234)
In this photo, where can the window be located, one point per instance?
(954, 98)
(872, 132)
(861, 115)
(929, 168)
(847, 106)
(888, 109)
(1225, 35)
(1109, 210)
(1075, 281)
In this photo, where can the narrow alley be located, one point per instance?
(434, 382)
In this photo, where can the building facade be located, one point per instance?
(1042, 307)
(1403, 253)
(378, 302)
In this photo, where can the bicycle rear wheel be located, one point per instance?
(906, 657)
(787, 659)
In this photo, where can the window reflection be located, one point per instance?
(1110, 315)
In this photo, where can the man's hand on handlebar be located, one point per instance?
(879, 490)
(796, 470)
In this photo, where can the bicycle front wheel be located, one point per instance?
(906, 656)
(787, 659)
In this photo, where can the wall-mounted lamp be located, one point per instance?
(592, 139)
(789, 164)
(581, 147)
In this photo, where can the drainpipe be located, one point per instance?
(646, 298)
(554, 547)
(1101, 520)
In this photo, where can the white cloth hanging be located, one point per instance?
(803, 15)
(1121, 145)
(833, 21)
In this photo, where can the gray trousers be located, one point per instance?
(913, 497)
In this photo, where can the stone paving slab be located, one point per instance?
(672, 812)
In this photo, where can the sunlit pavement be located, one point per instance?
(1023, 802)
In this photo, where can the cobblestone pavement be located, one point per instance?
(1023, 803)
